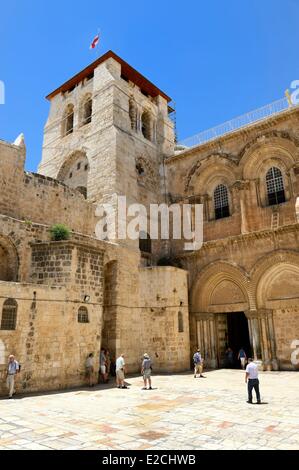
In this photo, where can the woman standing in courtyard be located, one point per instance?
(89, 365)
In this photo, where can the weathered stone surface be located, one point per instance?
(249, 261)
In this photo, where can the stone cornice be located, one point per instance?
(241, 238)
(215, 145)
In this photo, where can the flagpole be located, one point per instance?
(99, 31)
(95, 43)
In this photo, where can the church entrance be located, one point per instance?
(233, 334)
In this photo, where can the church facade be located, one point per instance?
(109, 134)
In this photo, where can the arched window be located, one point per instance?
(145, 243)
(68, 121)
(8, 260)
(9, 315)
(75, 171)
(275, 188)
(146, 125)
(140, 169)
(133, 114)
(180, 322)
(82, 190)
(221, 203)
(83, 315)
(87, 111)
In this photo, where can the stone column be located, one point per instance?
(268, 339)
(239, 197)
(262, 337)
(204, 200)
(213, 360)
(254, 333)
(206, 338)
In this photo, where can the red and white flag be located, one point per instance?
(95, 42)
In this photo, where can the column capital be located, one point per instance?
(241, 185)
(259, 313)
(203, 315)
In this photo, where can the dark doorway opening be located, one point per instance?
(238, 335)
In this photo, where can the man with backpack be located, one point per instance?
(198, 364)
(13, 368)
(242, 358)
(146, 371)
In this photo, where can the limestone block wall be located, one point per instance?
(240, 161)
(164, 319)
(286, 324)
(12, 158)
(69, 263)
(48, 340)
(48, 201)
(36, 198)
(111, 143)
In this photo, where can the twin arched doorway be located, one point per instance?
(230, 308)
(219, 300)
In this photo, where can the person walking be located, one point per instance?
(251, 378)
(198, 364)
(108, 364)
(229, 358)
(146, 371)
(13, 368)
(242, 358)
(120, 371)
(103, 369)
(89, 366)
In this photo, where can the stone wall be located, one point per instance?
(164, 318)
(48, 340)
(286, 323)
(36, 198)
(240, 161)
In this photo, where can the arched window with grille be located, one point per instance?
(221, 203)
(275, 186)
(9, 314)
(83, 315)
(180, 322)
(145, 243)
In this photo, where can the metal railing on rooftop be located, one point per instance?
(237, 123)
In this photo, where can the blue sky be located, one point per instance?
(216, 59)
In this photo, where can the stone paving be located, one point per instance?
(180, 413)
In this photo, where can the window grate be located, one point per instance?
(221, 203)
(83, 315)
(9, 315)
(275, 186)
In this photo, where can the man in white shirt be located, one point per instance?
(120, 372)
(251, 378)
(12, 369)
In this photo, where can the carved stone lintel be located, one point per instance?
(241, 185)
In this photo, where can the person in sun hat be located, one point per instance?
(198, 364)
(146, 371)
(13, 369)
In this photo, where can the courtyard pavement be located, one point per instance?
(180, 413)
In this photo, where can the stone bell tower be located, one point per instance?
(108, 133)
